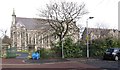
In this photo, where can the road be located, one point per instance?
(103, 64)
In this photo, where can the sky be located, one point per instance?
(105, 12)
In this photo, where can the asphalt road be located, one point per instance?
(103, 64)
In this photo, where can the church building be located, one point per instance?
(32, 32)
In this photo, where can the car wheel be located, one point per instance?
(116, 58)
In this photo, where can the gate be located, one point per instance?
(11, 52)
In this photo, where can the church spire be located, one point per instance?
(13, 12)
(13, 17)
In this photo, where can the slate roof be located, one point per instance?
(32, 23)
(6, 40)
(97, 31)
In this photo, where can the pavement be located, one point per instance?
(45, 61)
(60, 64)
(51, 64)
(21, 63)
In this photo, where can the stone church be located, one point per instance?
(34, 32)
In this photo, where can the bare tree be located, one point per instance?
(65, 15)
(62, 17)
(3, 32)
(5, 39)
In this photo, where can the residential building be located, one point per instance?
(97, 33)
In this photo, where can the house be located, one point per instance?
(33, 32)
(97, 33)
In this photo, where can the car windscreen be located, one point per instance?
(110, 50)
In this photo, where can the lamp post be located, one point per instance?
(62, 50)
(0, 45)
(87, 36)
(62, 47)
(0, 51)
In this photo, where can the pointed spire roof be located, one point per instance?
(13, 12)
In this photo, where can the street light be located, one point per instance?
(62, 47)
(87, 36)
(0, 45)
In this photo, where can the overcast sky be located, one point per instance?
(103, 11)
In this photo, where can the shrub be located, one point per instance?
(46, 53)
(71, 50)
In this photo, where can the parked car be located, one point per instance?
(112, 53)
